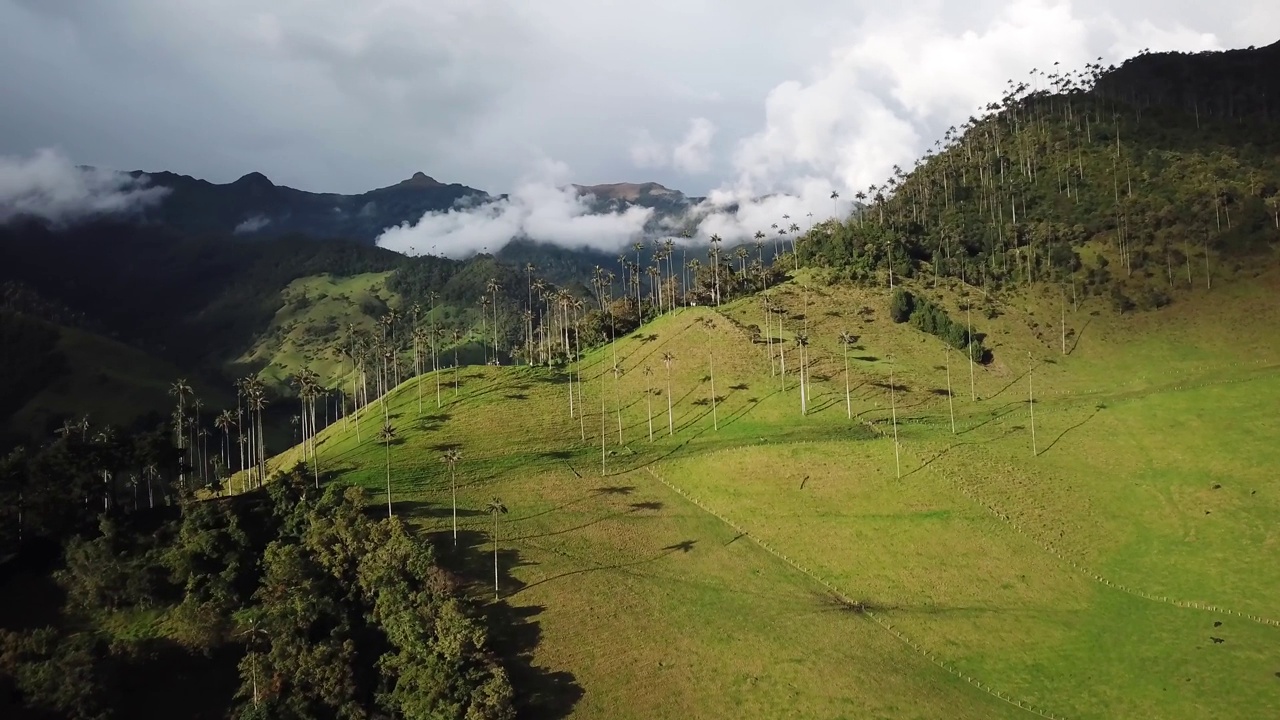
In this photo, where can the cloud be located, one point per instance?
(691, 156)
(254, 224)
(335, 96)
(542, 208)
(879, 100)
(646, 152)
(47, 185)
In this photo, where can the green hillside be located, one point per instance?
(97, 373)
(1105, 181)
(776, 563)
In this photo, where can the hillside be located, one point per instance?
(220, 308)
(1105, 181)
(1106, 558)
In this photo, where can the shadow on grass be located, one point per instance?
(1063, 434)
(423, 509)
(514, 632)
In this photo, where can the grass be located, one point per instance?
(313, 304)
(777, 565)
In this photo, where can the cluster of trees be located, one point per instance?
(1163, 182)
(61, 487)
(325, 612)
(929, 317)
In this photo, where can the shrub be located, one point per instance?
(901, 305)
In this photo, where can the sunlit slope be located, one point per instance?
(316, 314)
(754, 561)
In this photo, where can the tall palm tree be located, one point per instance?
(802, 342)
(386, 435)
(845, 341)
(181, 390)
(893, 404)
(834, 197)
(492, 287)
(452, 457)
(225, 422)
(495, 508)
(946, 348)
(715, 259)
(635, 274)
(648, 397)
(667, 360)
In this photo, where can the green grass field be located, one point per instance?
(757, 562)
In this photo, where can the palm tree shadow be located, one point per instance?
(1012, 382)
(1063, 434)
(1076, 340)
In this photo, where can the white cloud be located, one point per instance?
(255, 223)
(741, 97)
(47, 185)
(693, 155)
(647, 152)
(542, 208)
(880, 99)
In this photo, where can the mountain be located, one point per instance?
(255, 206)
(1135, 183)
(102, 314)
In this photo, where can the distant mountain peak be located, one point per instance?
(255, 179)
(624, 191)
(421, 179)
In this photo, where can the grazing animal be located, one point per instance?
(1216, 640)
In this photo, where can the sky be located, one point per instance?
(728, 99)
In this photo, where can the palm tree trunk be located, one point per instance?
(670, 421)
(388, 443)
(848, 401)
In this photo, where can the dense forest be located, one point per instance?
(288, 602)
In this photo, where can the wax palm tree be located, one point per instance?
(715, 260)
(492, 287)
(452, 457)
(893, 405)
(181, 390)
(386, 435)
(420, 338)
(845, 341)
(495, 508)
(667, 360)
(648, 397)
(224, 422)
(802, 342)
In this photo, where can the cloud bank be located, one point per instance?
(47, 185)
(880, 100)
(887, 89)
(542, 208)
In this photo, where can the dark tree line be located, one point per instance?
(325, 613)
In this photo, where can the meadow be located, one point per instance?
(751, 560)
